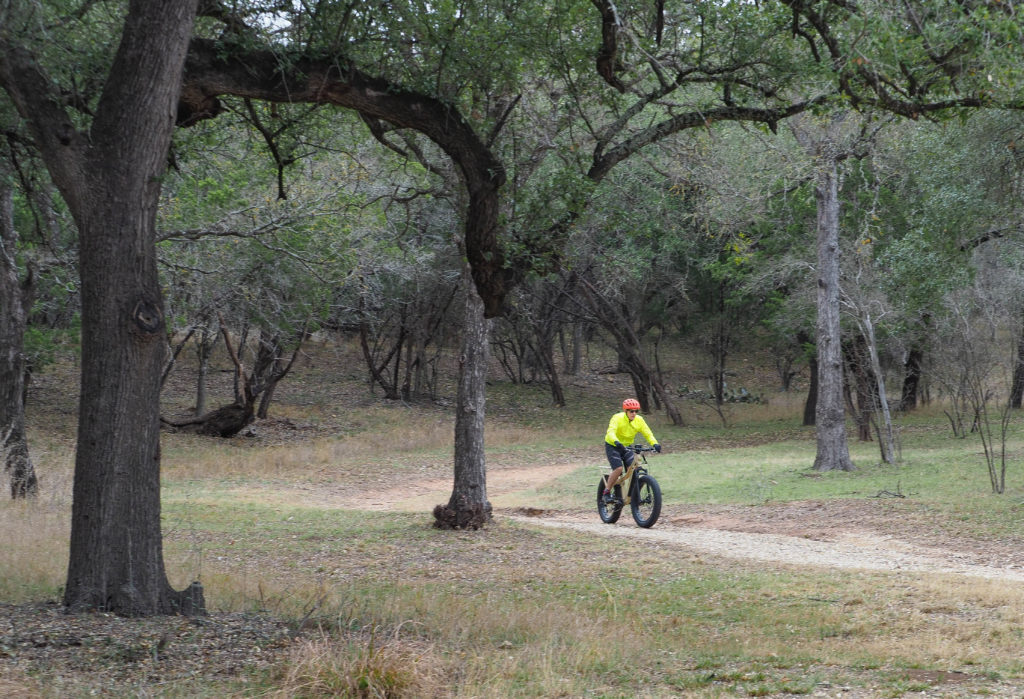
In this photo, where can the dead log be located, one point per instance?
(226, 421)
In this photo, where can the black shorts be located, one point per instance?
(614, 458)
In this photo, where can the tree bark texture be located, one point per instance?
(811, 404)
(15, 301)
(468, 507)
(110, 179)
(1017, 384)
(912, 380)
(832, 449)
(116, 558)
(861, 395)
(886, 439)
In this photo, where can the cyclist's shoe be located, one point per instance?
(607, 498)
(616, 500)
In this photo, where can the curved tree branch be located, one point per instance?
(215, 68)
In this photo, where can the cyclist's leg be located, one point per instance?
(627, 462)
(611, 479)
(615, 462)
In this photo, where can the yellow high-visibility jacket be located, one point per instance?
(623, 429)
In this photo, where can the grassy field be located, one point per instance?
(382, 604)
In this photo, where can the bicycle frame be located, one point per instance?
(625, 481)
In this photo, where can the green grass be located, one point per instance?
(782, 471)
(947, 475)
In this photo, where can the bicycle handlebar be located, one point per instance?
(638, 448)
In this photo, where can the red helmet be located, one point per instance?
(631, 404)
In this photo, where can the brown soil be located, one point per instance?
(106, 655)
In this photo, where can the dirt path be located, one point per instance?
(785, 538)
(858, 551)
(851, 534)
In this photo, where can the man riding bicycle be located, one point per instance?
(622, 429)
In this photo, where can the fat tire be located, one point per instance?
(646, 501)
(608, 512)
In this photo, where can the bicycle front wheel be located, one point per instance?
(608, 511)
(646, 501)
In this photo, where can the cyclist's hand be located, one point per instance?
(657, 448)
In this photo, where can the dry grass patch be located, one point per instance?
(949, 621)
(16, 684)
(393, 442)
(33, 559)
(390, 666)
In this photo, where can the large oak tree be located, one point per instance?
(107, 156)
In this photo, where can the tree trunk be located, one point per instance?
(718, 345)
(577, 349)
(887, 439)
(546, 354)
(239, 380)
(1017, 385)
(266, 398)
(377, 375)
(15, 300)
(110, 180)
(912, 380)
(204, 348)
(270, 368)
(862, 409)
(811, 404)
(468, 507)
(784, 368)
(411, 363)
(832, 449)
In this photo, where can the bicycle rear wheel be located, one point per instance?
(646, 501)
(608, 512)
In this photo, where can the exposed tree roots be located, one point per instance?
(473, 516)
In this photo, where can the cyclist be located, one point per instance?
(622, 429)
